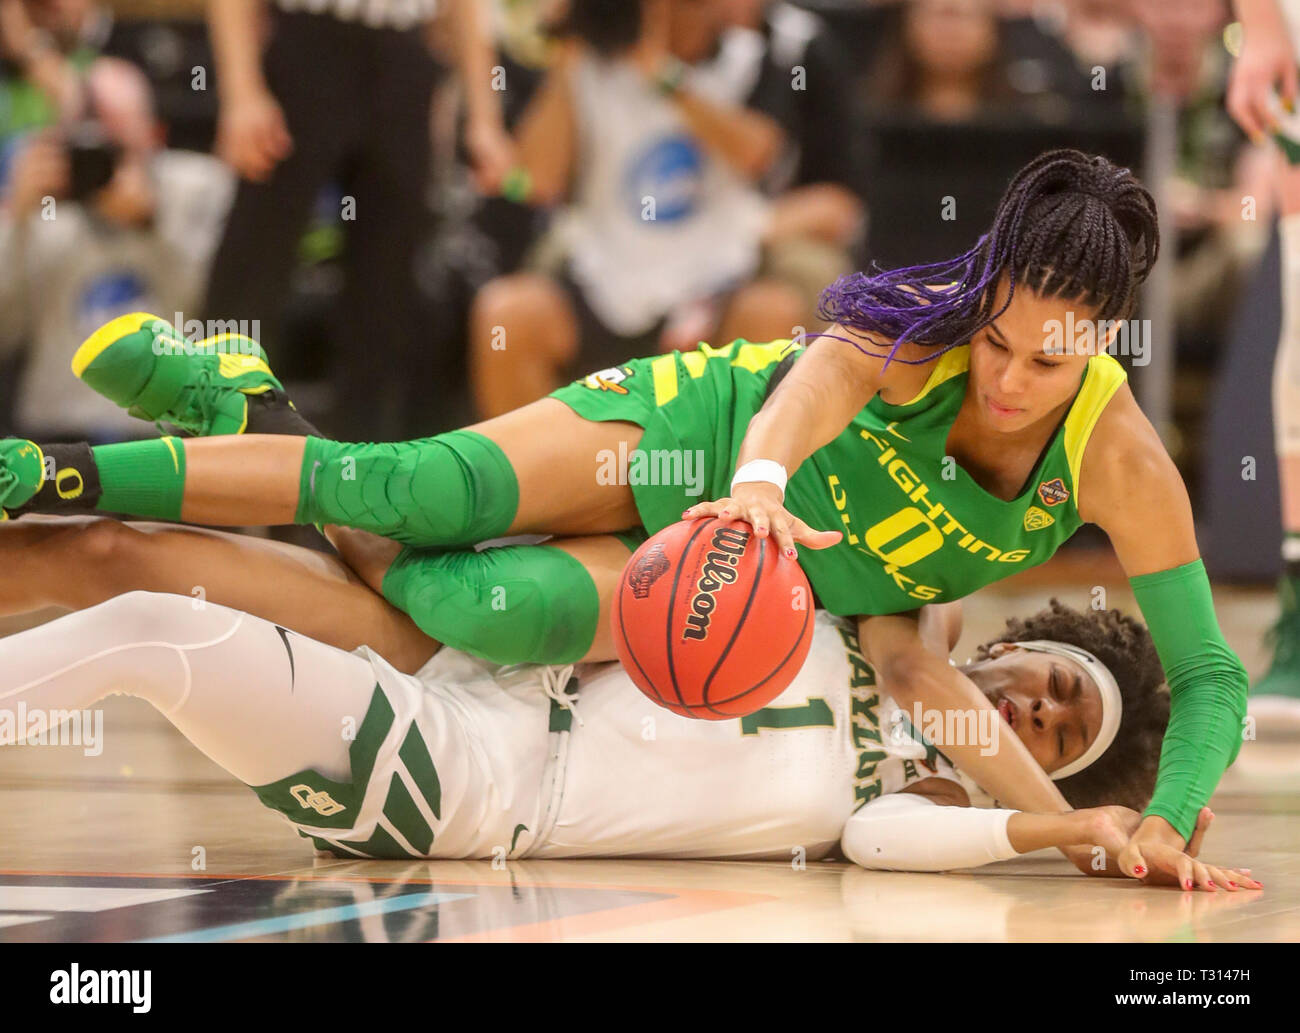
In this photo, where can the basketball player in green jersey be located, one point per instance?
(997, 442)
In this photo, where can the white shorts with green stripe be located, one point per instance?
(462, 759)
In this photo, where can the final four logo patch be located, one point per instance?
(647, 570)
(1053, 492)
(1036, 519)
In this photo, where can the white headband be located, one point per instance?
(1112, 704)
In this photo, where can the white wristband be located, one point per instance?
(765, 471)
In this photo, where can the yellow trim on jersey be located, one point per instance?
(1101, 381)
(96, 344)
(757, 357)
(752, 357)
(664, 371)
(695, 363)
(952, 363)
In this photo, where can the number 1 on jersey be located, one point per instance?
(812, 714)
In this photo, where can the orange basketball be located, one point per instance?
(712, 621)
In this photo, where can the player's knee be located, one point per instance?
(519, 604)
(523, 310)
(765, 310)
(511, 300)
(104, 543)
(145, 616)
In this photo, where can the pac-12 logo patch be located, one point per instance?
(1053, 492)
(1036, 519)
(646, 571)
(608, 379)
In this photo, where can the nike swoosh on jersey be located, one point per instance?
(293, 667)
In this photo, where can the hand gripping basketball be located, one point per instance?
(759, 504)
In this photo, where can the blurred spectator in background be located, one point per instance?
(641, 127)
(99, 221)
(944, 62)
(1219, 238)
(44, 44)
(958, 97)
(806, 84)
(342, 94)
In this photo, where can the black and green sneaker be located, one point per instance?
(146, 366)
(22, 473)
(1276, 696)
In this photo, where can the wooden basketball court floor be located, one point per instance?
(152, 841)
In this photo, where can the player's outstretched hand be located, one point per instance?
(1155, 854)
(759, 505)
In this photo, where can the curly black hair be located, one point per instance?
(1126, 773)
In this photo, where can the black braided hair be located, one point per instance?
(1070, 225)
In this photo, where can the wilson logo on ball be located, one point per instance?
(719, 570)
(695, 649)
(646, 571)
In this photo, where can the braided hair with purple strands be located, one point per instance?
(1070, 225)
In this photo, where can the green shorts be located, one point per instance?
(695, 408)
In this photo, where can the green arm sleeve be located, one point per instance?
(1207, 684)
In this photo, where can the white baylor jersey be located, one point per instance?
(468, 760)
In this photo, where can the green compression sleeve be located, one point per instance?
(1207, 684)
(142, 478)
(455, 489)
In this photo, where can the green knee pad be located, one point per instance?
(455, 489)
(516, 604)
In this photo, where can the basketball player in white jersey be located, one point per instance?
(464, 759)
(1262, 97)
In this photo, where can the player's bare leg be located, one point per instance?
(77, 562)
(523, 333)
(539, 470)
(254, 480)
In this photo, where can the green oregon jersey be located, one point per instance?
(917, 527)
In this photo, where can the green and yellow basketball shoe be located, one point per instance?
(146, 366)
(22, 473)
(1275, 698)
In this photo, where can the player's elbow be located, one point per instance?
(904, 674)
